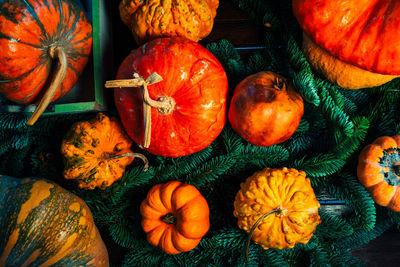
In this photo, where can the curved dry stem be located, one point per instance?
(58, 52)
(277, 210)
(136, 155)
(165, 105)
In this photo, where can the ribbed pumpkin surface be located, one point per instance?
(364, 33)
(28, 29)
(193, 78)
(42, 224)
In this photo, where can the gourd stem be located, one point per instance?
(169, 218)
(277, 210)
(164, 105)
(280, 84)
(136, 155)
(54, 51)
(396, 168)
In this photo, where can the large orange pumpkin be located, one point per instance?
(379, 170)
(42, 224)
(193, 92)
(175, 217)
(150, 19)
(44, 47)
(265, 109)
(353, 43)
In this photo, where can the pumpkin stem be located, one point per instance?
(165, 105)
(396, 168)
(253, 228)
(169, 219)
(280, 84)
(54, 51)
(136, 155)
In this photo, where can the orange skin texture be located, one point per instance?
(265, 109)
(52, 225)
(25, 63)
(196, 81)
(339, 72)
(363, 33)
(372, 175)
(269, 189)
(150, 19)
(87, 149)
(188, 207)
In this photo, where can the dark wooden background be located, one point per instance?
(232, 24)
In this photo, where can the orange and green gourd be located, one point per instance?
(175, 217)
(379, 170)
(96, 152)
(150, 19)
(277, 207)
(42, 224)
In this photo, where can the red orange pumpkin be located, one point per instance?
(192, 92)
(44, 47)
(354, 43)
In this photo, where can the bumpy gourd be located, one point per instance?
(42, 224)
(175, 217)
(287, 196)
(379, 170)
(150, 19)
(96, 152)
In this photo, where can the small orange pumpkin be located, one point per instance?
(175, 217)
(150, 19)
(265, 109)
(96, 152)
(277, 207)
(379, 170)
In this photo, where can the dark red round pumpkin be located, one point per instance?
(196, 82)
(44, 47)
(265, 109)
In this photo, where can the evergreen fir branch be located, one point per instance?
(333, 227)
(320, 166)
(347, 146)
(304, 126)
(143, 254)
(299, 142)
(343, 258)
(264, 156)
(211, 170)
(230, 238)
(356, 196)
(132, 179)
(333, 112)
(233, 142)
(125, 233)
(274, 258)
(183, 166)
(318, 256)
(257, 63)
(257, 10)
(361, 236)
(306, 86)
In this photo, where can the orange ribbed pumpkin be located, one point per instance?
(353, 43)
(175, 217)
(379, 170)
(44, 47)
(194, 87)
